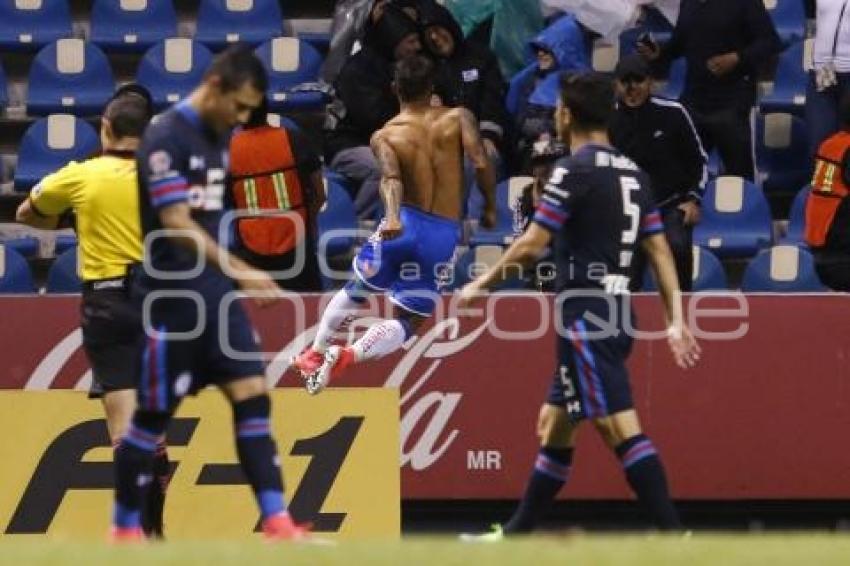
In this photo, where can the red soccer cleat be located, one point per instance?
(126, 535)
(337, 358)
(308, 362)
(282, 527)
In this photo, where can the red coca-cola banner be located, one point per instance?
(764, 415)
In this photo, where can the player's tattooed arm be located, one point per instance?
(391, 185)
(485, 175)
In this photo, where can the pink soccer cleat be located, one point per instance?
(281, 527)
(337, 358)
(308, 362)
(126, 535)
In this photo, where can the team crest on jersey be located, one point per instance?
(159, 162)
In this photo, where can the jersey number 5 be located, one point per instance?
(630, 209)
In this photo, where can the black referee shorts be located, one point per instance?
(113, 337)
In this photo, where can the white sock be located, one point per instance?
(337, 316)
(381, 339)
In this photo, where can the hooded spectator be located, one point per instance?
(365, 101)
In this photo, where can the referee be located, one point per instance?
(103, 195)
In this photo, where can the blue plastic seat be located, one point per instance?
(15, 274)
(27, 246)
(221, 22)
(65, 242)
(289, 62)
(476, 261)
(797, 220)
(736, 219)
(782, 269)
(50, 143)
(674, 85)
(71, 76)
(782, 153)
(789, 87)
(789, 18)
(4, 89)
(336, 214)
(132, 25)
(28, 25)
(172, 68)
(63, 274)
(708, 273)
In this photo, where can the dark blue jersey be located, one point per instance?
(182, 160)
(598, 204)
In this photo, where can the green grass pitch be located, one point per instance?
(596, 550)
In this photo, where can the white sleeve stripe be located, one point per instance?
(673, 104)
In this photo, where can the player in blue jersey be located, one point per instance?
(182, 165)
(421, 156)
(596, 209)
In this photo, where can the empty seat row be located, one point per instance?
(74, 76)
(136, 25)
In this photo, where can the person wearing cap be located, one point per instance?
(365, 101)
(660, 137)
(103, 195)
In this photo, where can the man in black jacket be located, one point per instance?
(468, 74)
(365, 101)
(724, 43)
(660, 137)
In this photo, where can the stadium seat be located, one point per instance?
(789, 87)
(789, 18)
(15, 274)
(508, 193)
(27, 246)
(221, 22)
(474, 262)
(289, 62)
(65, 242)
(132, 25)
(673, 86)
(69, 76)
(28, 25)
(63, 274)
(708, 273)
(736, 219)
(797, 222)
(278, 121)
(172, 68)
(4, 90)
(606, 55)
(49, 144)
(337, 214)
(782, 154)
(782, 269)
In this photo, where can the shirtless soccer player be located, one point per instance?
(421, 156)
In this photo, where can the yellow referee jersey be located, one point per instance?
(104, 195)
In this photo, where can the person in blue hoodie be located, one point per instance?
(533, 93)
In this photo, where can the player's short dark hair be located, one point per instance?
(237, 65)
(589, 96)
(414, 77)
(128, 116)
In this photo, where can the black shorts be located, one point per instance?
(591, 380)
(183, 354)
(112, 339)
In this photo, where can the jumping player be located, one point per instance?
(182, 165)
(597, 209)
(421, 156)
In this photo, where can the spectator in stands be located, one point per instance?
(830, 78)
(468, 74)
(533, 94)
(659, 136)
(828, 207)
(275, 170)
(724, 43)
(365, 101)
